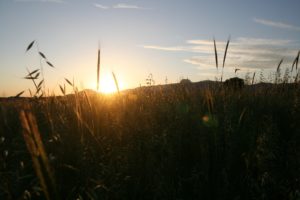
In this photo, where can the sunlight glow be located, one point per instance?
(107, 84)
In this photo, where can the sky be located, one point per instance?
(170, 39)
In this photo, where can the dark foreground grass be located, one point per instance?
(178, 142)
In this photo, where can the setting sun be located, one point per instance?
(107, 84)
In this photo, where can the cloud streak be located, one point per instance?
(248, 54)
(101, 6)
(42, 1)
(128, 6)
(162, 48)
(276, 24)
(116, 6)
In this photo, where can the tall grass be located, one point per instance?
(172, 142)
(177, 141)
(116, 82)
(98, 69)
(224, 57)
(38, 155)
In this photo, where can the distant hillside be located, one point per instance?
(192, 85)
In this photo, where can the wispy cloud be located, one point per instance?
(101, 6)
(118, 6)
(245, 53)
(128, 6)
(42, 1)
(165, 48)
(276, 24)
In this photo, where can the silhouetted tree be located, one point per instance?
(185, 81)
(234, 83)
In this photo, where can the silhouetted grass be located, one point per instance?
(164, 142)
(189, 140)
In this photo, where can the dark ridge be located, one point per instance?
(186, 83)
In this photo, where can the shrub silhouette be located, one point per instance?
(234, 83)
(185, 81)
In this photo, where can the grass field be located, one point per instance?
(203, 140)
(180, 141)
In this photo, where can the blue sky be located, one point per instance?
(168, 38)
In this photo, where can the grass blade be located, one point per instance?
(30, 45)
(33, 72)
(297, 60)
(116, 82)
(43, 55)
(40, 83)
(216, 53)
(50, 64)
(19, 94)
(30, 78)
(69, 82)
(279, 64)
(30, 93)
(295, 63)
(62, 89)
(225, 54)
(37, 76)
(242, 116)
(98, 69)
(37, 91)
(35, 147)
(253, 78)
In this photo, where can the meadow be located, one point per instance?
(179, 141)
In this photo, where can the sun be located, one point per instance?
(107, 84)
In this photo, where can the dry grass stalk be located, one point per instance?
(38, 155)
(279, 64)
(63, 89)
(50, 64)
(253, 78)
(34, 75)
(116, 82)
(295, 63)
(19, 94)
(30, 45)
(69, 82)
(30, 76)
(277, 77)
(40, 83)
(98, 69)
(216, 53)
(296, 78)
(226, 49)
(43, 55)
(242, 116)
(224, 59)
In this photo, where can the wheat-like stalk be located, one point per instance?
(225, 54)
(216, 53)
(38, 155)
(116, 82)
(98, 69)
(253, 78)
